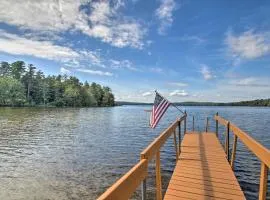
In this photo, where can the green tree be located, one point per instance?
(17, 69)
(108, 98)
(87, 97)
(19, 84)
(97, 92)
(11, 92)
(28, 80)
(71, 96)
(39, 88)
(5, 69)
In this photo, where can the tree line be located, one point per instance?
(22, 85)
(257, 102)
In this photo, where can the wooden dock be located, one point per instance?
(204, 169)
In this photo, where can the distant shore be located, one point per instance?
(252, 103)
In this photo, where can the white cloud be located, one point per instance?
(94, 72)
(14, 44)
(122, 64)
(47, 15)
(156, 69)
(64, 71)
(146, 94)
(92, 56)
(111, 27)
(239, 89)
(181, 93)
(248, 45)
(178, 84)
(251, 82)
(165, 15)
(192, 38)
(205, 71)
(17, 45)
(104, 22)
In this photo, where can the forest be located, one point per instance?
(22, 85)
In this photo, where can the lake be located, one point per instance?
(76, 153)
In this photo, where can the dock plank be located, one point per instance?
(202, 171)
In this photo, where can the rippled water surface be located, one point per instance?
(77, 153)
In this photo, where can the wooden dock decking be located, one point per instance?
(203, 171)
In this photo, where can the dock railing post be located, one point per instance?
(185, 123)
(158, 178)
(217, 126)
(227, 141)
(207, 124)
(144, 189)
(175, 145)
(179, 136)
(193, 125)
(234, 151)
(263, 181)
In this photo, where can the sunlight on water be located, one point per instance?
(78, 153)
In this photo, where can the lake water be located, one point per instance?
(76, 153)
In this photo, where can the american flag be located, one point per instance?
(159, 108)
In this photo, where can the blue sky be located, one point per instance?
(188, 50)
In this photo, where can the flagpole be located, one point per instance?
(171, 103)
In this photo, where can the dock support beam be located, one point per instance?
(227, 147)
(175, 145)
(207, 124)
(158, 178)
(263, 182)
(144, 189)
(185, 123)
(179, 136)
(193, 123)
(234, 151)
(217, 126)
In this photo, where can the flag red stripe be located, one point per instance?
(161, 109)
(161, 114)
(160, 105)
(158, 117)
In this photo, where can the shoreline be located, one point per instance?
(250, 106)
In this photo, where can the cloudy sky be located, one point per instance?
(188, 50)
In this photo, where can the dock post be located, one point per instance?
(207, 124)
(179, 136)
(158, 178)
(175, 145)
(217, 126)
(228, 142)
(185, 123)
(234, 151)
(263, 181)
(193, 125)
(144, 189)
